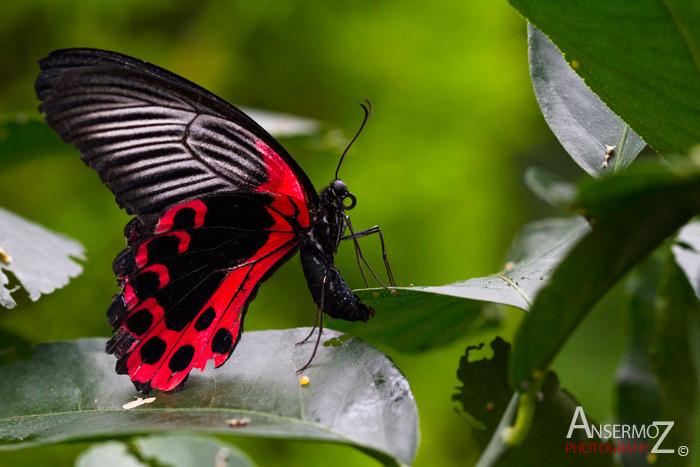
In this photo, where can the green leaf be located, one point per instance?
(356, 396)
(632, 213)
(421, 318)
(171, 450)
(546, 442)
(674, 356)
(112, 453)
(638, 394)
(549, 187)
(41, 260)
(485, 393)
(582, 123)
(488, 399)
(687, 254)
(643, 60)
(497, 447)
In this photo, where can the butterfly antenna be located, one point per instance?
(368, 111)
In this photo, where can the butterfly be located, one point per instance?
(219, 206)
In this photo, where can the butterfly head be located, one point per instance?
(343, 197)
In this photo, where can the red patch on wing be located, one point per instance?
(129, 295)
(156, 310)
(291, 207)
(162, 271)
(183, 243)
(281, 179)
(166, 222)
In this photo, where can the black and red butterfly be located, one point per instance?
(219, 205)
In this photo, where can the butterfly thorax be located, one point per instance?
(329, 225)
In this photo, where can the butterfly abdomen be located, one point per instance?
(328, 288)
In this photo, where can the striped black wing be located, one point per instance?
(155, 138)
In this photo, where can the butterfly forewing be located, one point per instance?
(149, 145)
(156, 139)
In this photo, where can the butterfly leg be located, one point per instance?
(358, 252)
(363, 233)
(358, 255)
(319, 314)
(377, 230)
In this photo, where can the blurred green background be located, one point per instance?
(439, 166)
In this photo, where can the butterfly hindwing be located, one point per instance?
(188, 278)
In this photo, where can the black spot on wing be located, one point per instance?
(205, 319)
(184, 219)
(164, 246)
(140, 321)
(153, 350)
(222, 343)
(182, 358)
(145, 284)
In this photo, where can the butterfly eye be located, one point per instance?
(353, 201)
(340, 189)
